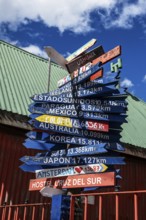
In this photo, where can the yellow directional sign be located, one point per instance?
(81, 50)
(57, 120)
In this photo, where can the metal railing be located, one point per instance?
(117, 202)
(39, 211)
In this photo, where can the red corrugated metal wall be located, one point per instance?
(13, 181)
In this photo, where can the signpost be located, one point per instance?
(77, 181)
(76, 122)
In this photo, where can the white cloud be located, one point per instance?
(65, 14)
(72, 15)
(127, 83)
(35, 50)
(125, 14)
(144, 78)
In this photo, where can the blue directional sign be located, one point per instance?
(76, 151)
(76, 110)
(100, 116)
(30, 160)
(105, 136)
(32, 168)
(96, 90)
(41, 145)
(104, 81)
(65, 139)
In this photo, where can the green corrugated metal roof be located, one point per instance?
(134, 131)
(23, 75)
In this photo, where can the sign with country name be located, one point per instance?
(66, 139)
(98, 91)
(81, 50)
(36, 108)
(69, 171)
(56, 99)
(74, 123)
(77, 181)
(75, 106)
(111, 136)
(85, 58)
(82, 160)
(108, 137)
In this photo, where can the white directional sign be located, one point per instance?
(68, 171)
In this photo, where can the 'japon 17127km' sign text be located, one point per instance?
(77, 181)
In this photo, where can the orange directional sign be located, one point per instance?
(77, 181)
(108, 55)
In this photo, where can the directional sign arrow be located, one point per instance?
(106, 57)
(32, 168)
(76, 151)
(67, 111)
(61, 150)
(69, 171)
(85, 58)
(100, 91)
(41, 145)
(77, 181)
(74, 123)
(83, 160)
(105, 137)
(81, 50)
(54, 55)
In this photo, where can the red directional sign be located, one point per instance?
(77, 181)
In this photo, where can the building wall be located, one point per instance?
(13, 181)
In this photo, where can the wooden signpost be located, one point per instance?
(77, 126)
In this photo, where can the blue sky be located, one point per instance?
(68, 24)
